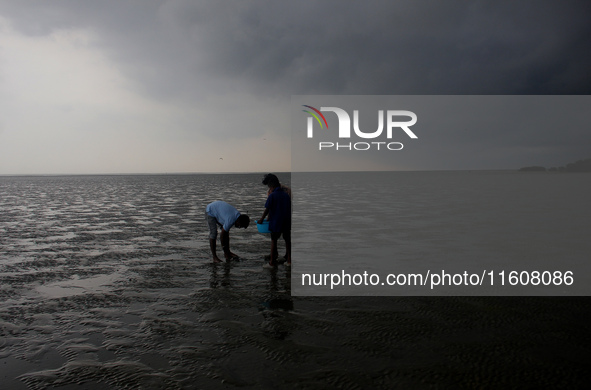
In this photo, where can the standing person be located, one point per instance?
(225, 215)
(278, 208)
(271, 177)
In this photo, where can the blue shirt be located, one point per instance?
(279, 205)
(224, 213)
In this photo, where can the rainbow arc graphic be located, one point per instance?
(315, 111)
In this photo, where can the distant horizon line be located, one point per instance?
(240, 173)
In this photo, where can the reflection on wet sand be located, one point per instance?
(110, 285)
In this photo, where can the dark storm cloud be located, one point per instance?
(423, 47)
(186, 51)
(333, 47)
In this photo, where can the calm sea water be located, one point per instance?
(82, 217)
(107, 282)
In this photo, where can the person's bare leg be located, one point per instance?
(287, 238)
(212, 246)
(225, 240)
(273, 258)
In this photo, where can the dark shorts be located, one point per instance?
(286, 235)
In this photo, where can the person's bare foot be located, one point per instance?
(217, 260)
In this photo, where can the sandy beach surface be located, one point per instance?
(152, 325)
(107, 283)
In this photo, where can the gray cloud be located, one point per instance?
(327, 47)
(184, 52)
(420, 47)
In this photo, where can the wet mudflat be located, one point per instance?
(106, 282)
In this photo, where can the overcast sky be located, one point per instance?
(205, 86)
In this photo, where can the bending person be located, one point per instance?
(226, 216)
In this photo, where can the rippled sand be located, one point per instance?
(110, 285)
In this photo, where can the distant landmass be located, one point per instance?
(578, 166)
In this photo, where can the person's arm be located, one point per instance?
(265, 213)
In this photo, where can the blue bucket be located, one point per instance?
(263, 227)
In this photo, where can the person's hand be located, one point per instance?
(260, 221)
